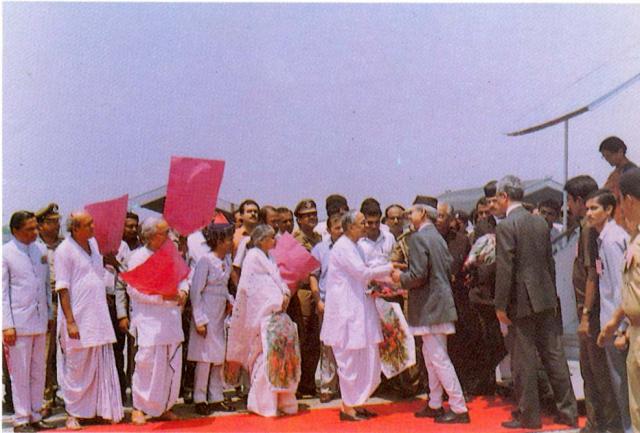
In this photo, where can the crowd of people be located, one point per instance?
(477, 290)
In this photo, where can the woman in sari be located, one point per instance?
(259, 323)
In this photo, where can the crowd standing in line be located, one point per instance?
(478, 290)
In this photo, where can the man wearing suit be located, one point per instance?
(431, 310)
(525, 299)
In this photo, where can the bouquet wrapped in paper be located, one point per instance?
(282, 350)
(397, 349)
(483, 251)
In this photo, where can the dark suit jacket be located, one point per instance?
(430, 300)
(525, 269)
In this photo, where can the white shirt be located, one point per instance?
(321, 253)
(83, 275)
(612, 244)
(350, 317)
(197, 246)
(379, 251)
(26, 294)
(154, 321)
(111, 275)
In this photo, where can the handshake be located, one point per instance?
(397, 271)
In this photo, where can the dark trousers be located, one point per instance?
(118, 347)
(51, 375)
(492, 349)
(599, 398)
(188, 367)
(535, 335)
(302, 310)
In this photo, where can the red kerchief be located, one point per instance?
(108, 219)
(160, 274)
(294, 261)
(192, 193)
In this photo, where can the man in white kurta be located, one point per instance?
(156, 322)
(351, 324)
(26, 309)
(86, 364)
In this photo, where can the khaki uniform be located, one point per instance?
(631, 307)
(302, 310)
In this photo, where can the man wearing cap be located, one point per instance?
(302, 308)
(431, 310)
(48, 220)
(526, 301)
(26, 313)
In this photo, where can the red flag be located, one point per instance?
(192, 193)
(108, 219)
(294, 261)
(161, 273)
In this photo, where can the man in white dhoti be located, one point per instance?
(26, 312)
(86, 364)
(209, 298)
(431, 310)
(262, 294)
(156, 322)
(351, 325)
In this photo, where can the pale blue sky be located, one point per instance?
(301, 100)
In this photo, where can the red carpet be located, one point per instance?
(486, 416)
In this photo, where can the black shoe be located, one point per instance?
(427, 412)
(516, 423)
(221, 406)
(566, 420)
(202, 409)
(454, 418)
(364, 413)
(42, 425)
(24, 428)
(346, 417)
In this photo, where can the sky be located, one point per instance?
(300, 100)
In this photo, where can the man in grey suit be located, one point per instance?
(526, 300)
(431, 310)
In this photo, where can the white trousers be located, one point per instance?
(208, 377)
(358, 372)
(262, 400)
(89, 382)
(441, 373)
(156, 379)
(26, 365)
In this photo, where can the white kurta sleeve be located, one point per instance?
(63, 269)
(7, 313)
(198, 284)
(143, 298)
(354, 266)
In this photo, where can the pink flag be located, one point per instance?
(294, 261)
(108, 220)
(192, 193)
(160, 274)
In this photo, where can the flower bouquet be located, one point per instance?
(282, 351)
(397, 349)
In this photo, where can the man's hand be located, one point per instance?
(621, 343)
(123, 324)
(607, 332)
(228, 309)
(583, 327)
(73, 331)
(9, 336)
(182, 298)
(502, 317)
(285, 302)
(400, 266)
(320, 308)
(395, 276)
(202, 330)
(110, 259)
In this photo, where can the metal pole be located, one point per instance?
(566, 176)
